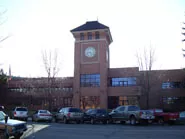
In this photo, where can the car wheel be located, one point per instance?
(122, 122)
(78, 121)
(92, 121)
(161, 121)
(82, 121)
(170, 122)
(18, 136)
(65, 120)
(56, 120)
(105, 122)
(110, 121)
(132, 120)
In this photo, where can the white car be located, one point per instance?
(42, 115)
(20, 113)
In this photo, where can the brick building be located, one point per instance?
(95, 84)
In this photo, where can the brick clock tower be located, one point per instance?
(91, 64)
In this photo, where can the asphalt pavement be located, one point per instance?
(100, 131)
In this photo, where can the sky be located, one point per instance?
(44, 25)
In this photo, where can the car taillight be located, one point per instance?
(69, 114)
(141, 113)
(14, 113)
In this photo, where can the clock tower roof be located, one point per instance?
(90, 25)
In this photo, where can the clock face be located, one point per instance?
(90, 52)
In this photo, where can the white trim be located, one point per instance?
(93, 40)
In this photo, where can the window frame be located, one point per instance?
(97, 35)
(90, 80)
(89, 35)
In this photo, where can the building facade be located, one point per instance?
(95, 84)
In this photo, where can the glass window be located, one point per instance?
(74, 110)
(89, 35)
(170, 85)
(97, 35)
(129, 81)
(122, 108)
(81, 36)
(133, 108)
(21, 109)
(90, 80)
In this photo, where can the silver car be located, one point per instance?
(69, 114)
(42, 115)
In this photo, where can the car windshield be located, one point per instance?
(21, 109)
(74, 110)
(101, 111)
(44, 111)
(2, 115)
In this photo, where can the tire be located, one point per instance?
(82, 121)
(92, 121)
(161, 121)
(110, 121)
(65, 120)
(18, 136)
(105, 122)
(78, 121)
(132, 120)
(56, 120)
(170, 122)
(122, 122)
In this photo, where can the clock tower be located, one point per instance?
(91, 64)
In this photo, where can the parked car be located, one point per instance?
(162, 117)
(96, 115)
(130, 113)
(15, 128)
(69, 114)
(20, 113)
(42, 115)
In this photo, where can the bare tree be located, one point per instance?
(50, 61)
(2, 21)
(145, 62)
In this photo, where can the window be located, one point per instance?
(129, 81)
(170, 85)
(121, 108)
(74, 110)
(90, 80)
(133, 108)
(101, 111)
(97, 35)
(81, 36)
(89, 35)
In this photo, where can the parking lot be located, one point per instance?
(112, 131)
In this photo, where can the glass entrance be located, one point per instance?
(87, 102)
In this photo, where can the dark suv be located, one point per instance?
(69, 114)
(96, 115)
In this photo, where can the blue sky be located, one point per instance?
(37, 25)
